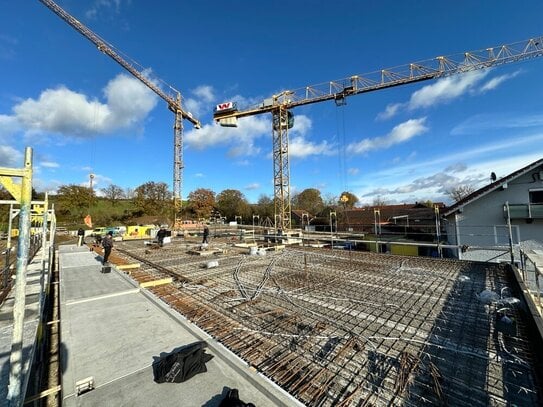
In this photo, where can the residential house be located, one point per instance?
(499, 217)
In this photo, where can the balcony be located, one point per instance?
(525, 211)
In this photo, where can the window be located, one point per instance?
(536, 196)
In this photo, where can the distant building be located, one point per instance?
(480, 221)
(415, 221)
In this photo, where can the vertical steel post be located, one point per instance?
(438, 232)
(16, 359)
(8, 247)
(510, 233)
(44, 229)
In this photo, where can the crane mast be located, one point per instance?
(279, 105)
(174, 103)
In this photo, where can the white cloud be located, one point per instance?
(447, 89)
(253, 186)
(203, 101)
(49, 164)
(399, 134)
(300, 147)
(205, 93)
(457, 167)
(353, 171)
(390, 111)
(302, 125)
(108, 6)
(10, 157)
(495, 82)
(72, 114)
(9, 125)
(487, 122)
(242, 137)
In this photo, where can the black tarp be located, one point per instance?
(181, 364)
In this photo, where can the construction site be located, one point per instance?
(349, 328)
(289, 316)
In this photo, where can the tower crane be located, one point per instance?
(174, 103)
(280, 105)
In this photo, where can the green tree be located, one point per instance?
(201, 203)
(232, 203)
(347, 200)
(309, 200)
(75, 200)
(265, 207)
(154, 198)
(113, 193)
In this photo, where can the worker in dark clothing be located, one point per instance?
(107, 244)
(160, 235)
(80, 236)
(206, 235)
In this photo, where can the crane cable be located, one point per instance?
(342, 147)
(342, 157)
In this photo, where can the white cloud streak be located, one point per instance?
(447, 89)
(399, 134)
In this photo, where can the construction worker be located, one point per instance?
(160, 235)
(206, 235)
(107, 244)
(80, 236)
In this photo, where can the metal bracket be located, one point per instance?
(84, 385)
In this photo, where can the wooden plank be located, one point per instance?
(129, 266)
(156, 282)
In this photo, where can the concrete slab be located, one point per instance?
(89, 282)
(114, 331)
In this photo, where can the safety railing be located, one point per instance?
(9, 257)
(532, 273)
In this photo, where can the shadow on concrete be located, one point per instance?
(4, 372)
(63, 352)
(217, 399)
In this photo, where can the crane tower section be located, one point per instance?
(279, 105)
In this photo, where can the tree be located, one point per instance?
(347, 200)
(113, 193)
(379, 201)
(265, 207)
(129, 193)
(201, 202)
(75, 199)
(459, 192)
(309, 200)
(232, 203)
(154, 198)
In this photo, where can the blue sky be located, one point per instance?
(82, 113)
